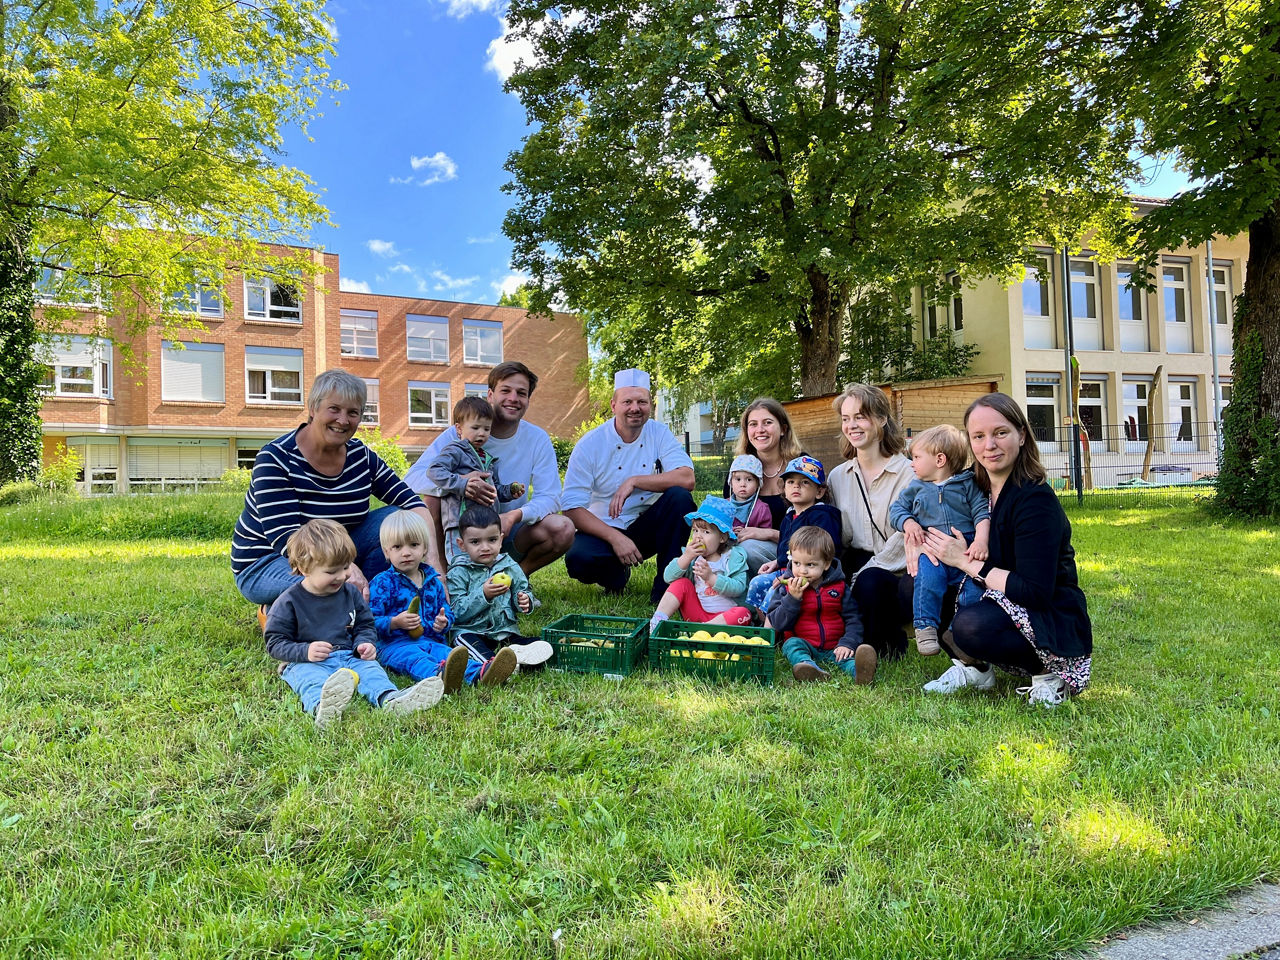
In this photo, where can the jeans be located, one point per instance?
(759, 552)
(760, 590)
(421, 659)
(661, 532)
(799, 650)
(307, 678)
(931, 588)
(267, 578)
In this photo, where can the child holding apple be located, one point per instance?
(710, 574)
(412, 614)
(323, 634)
(817, 615)
(488, 591)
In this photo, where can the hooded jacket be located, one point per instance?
(473, 613)
(825, 616)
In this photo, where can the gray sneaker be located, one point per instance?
(423, 695)
(336, 696)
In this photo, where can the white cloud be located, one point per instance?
(400, 179)
(507, 52)
(509, 284)
(444, 282)
(401, 268)
(487, 238)
(439, 168)
(382, 248)
(353, 286)
(464, 8)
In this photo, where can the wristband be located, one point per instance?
(985, 569)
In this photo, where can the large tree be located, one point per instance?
(140, 147)
(782, 155)
(1203, 77)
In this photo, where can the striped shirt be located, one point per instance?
(286, 492)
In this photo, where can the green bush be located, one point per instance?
(237, 478)
(60, 473)
(24, 491)
(563, 447)
(388, 448)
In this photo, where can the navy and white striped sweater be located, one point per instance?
(286, 492)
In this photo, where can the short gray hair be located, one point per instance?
(336, 383)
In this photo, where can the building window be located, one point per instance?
(1132, 310)
(1176, 314)
(193, 372)
(1093, 408)
(1042, 410)
(370, 417)
(77, 367)
(200, 299)
(63, 285)
(245, 457)
(268, 299)
(427, 338)
(476, 390)
(1222, 309)
(273, 375)
(1182, 414)
(1037, 324)
(1136, 394)
(1085, 320)
(957, 302)
(1224, 391)
(359, 330)
(482, 342)
(428, 404)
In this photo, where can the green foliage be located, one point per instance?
(650, 818)
(388, 448)
(517, 298)
(23, 491)
(1249, 476)
(563, 447)
(61, 471)
(775, 161)
(186, 106)
(237, 478)
(21, 447)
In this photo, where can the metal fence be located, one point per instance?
(1136, 460)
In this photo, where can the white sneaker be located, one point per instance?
(1047, 689)
(533, 653)
(959, 675)
(336, 696)
(423, 695)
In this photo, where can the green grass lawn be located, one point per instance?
(161, 792)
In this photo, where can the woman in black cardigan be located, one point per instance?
(1032, 619)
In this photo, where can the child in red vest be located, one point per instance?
(817, 614)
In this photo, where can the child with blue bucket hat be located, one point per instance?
(710, 576)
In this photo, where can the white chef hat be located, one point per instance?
(630, 378)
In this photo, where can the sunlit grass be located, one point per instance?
(161, 792)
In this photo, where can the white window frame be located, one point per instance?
(480, 390)
(956, 306)
(1084, 280)
(1039, 274)
(1182, 415)
(201, 300)
(438, 403)
(1054, 384)
(1179, 289)
(272, 363)
(47, 283)
(473, 338)
(426, 338)
(66, 355)
(358, 333)
(371, 417)
(245, 457)
(1141, 390)
(1224, 308)
(1137, 298)
(178, 365)
(1098, 385)
(268, 290)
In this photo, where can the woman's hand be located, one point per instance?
(946, 549)
(769, 567)
(355, 577)
(757, 533)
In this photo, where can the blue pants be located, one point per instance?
(307, 678)
(930, 587)
(659, 532)
(266, 579)
(421, 659)
(760, 589)
(799, 650)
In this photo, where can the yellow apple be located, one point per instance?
(501, 579)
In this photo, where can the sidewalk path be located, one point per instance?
(1247, 926)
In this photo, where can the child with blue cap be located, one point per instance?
(709, 576)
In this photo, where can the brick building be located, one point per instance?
(184, 411)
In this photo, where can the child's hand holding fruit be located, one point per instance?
(797, 585)
(497, 585)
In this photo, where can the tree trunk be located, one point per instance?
(1249, 479)
(819, 330)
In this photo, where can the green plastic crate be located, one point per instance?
(670, 654)
(624, 644)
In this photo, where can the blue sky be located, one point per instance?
(410, 159)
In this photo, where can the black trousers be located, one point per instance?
(885, 603)
(659, 532)
(985, 632)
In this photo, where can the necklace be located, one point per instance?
(774, 475)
